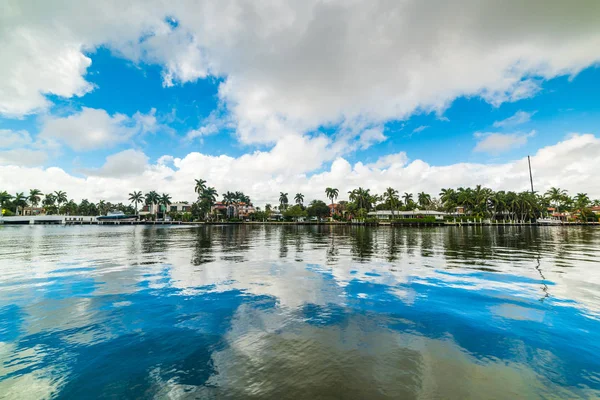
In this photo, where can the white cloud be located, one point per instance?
(495, 143)
(290, 67)
(23, 157)
(204, 130)
(125, 163)
(95, 129)
(519, 118)
(420, 128)
(570, 164)
(370, 137)
(12, 139)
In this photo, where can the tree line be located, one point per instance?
(478, 202)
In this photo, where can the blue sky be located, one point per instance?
(293, 106)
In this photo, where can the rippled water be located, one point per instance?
(299, 312)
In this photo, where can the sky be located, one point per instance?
(102, 98)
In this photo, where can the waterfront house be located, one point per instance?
(387, 214)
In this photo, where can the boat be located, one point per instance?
(549, 221)
(115, 216)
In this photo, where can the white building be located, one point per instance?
(387, 214)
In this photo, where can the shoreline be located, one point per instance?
(59, 220)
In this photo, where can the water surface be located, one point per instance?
(299, 312)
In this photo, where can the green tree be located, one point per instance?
(61, 197)
(102, 207)
(152, 199)
(4, 198)
(318, 208)
(35, 197)
(136, 198)
(200, 186)
(295, 212)
(424, 200)
(283, 200)
(20, 201)
(299, 198)
(165, 200)
(408, 200)
(581, 200)
(391, 197)
(332, 194)
(556, 195)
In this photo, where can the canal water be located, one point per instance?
(299, 312)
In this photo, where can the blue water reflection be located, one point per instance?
(299, 312)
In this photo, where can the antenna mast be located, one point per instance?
(530, 176)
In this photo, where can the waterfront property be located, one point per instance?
(386, 215)
(48, 219)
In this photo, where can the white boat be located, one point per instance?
(117, 216)
(549, 221)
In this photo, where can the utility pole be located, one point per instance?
(530, 176)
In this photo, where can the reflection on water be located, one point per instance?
(299, 312)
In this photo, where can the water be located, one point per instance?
(279, 312)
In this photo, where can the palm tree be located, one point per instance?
(556, 196)
(449, 198)
(61, 197)
(4, 197)
(200, 186)
(331, 193)
(391, 196)
(20, 201)
(581, 200)
(152, 198)
(101, 207)
(34, 197)
(165, 200)
(283, 200)
(424, 200)
(136, 198)
(408, 199)
(299, 198)
(207, 199)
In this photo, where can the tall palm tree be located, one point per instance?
(332, 193)
(136, 198)
(391, 196)
(35, 197)
(20, 201)
(208, 197)
(424, 199)
(408, 199)
(283, 200)
(152, 199)
(102, 207)
(581, 200)
(61, 197)
(4, 197)
(299, 198)
(556, 195)
(200, 186)
(165, 200)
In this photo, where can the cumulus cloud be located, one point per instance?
(495, 143)
(23, 157)
(93, 128)
(291, 67)
(125, 163)
(519, 118)
(570, 164)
